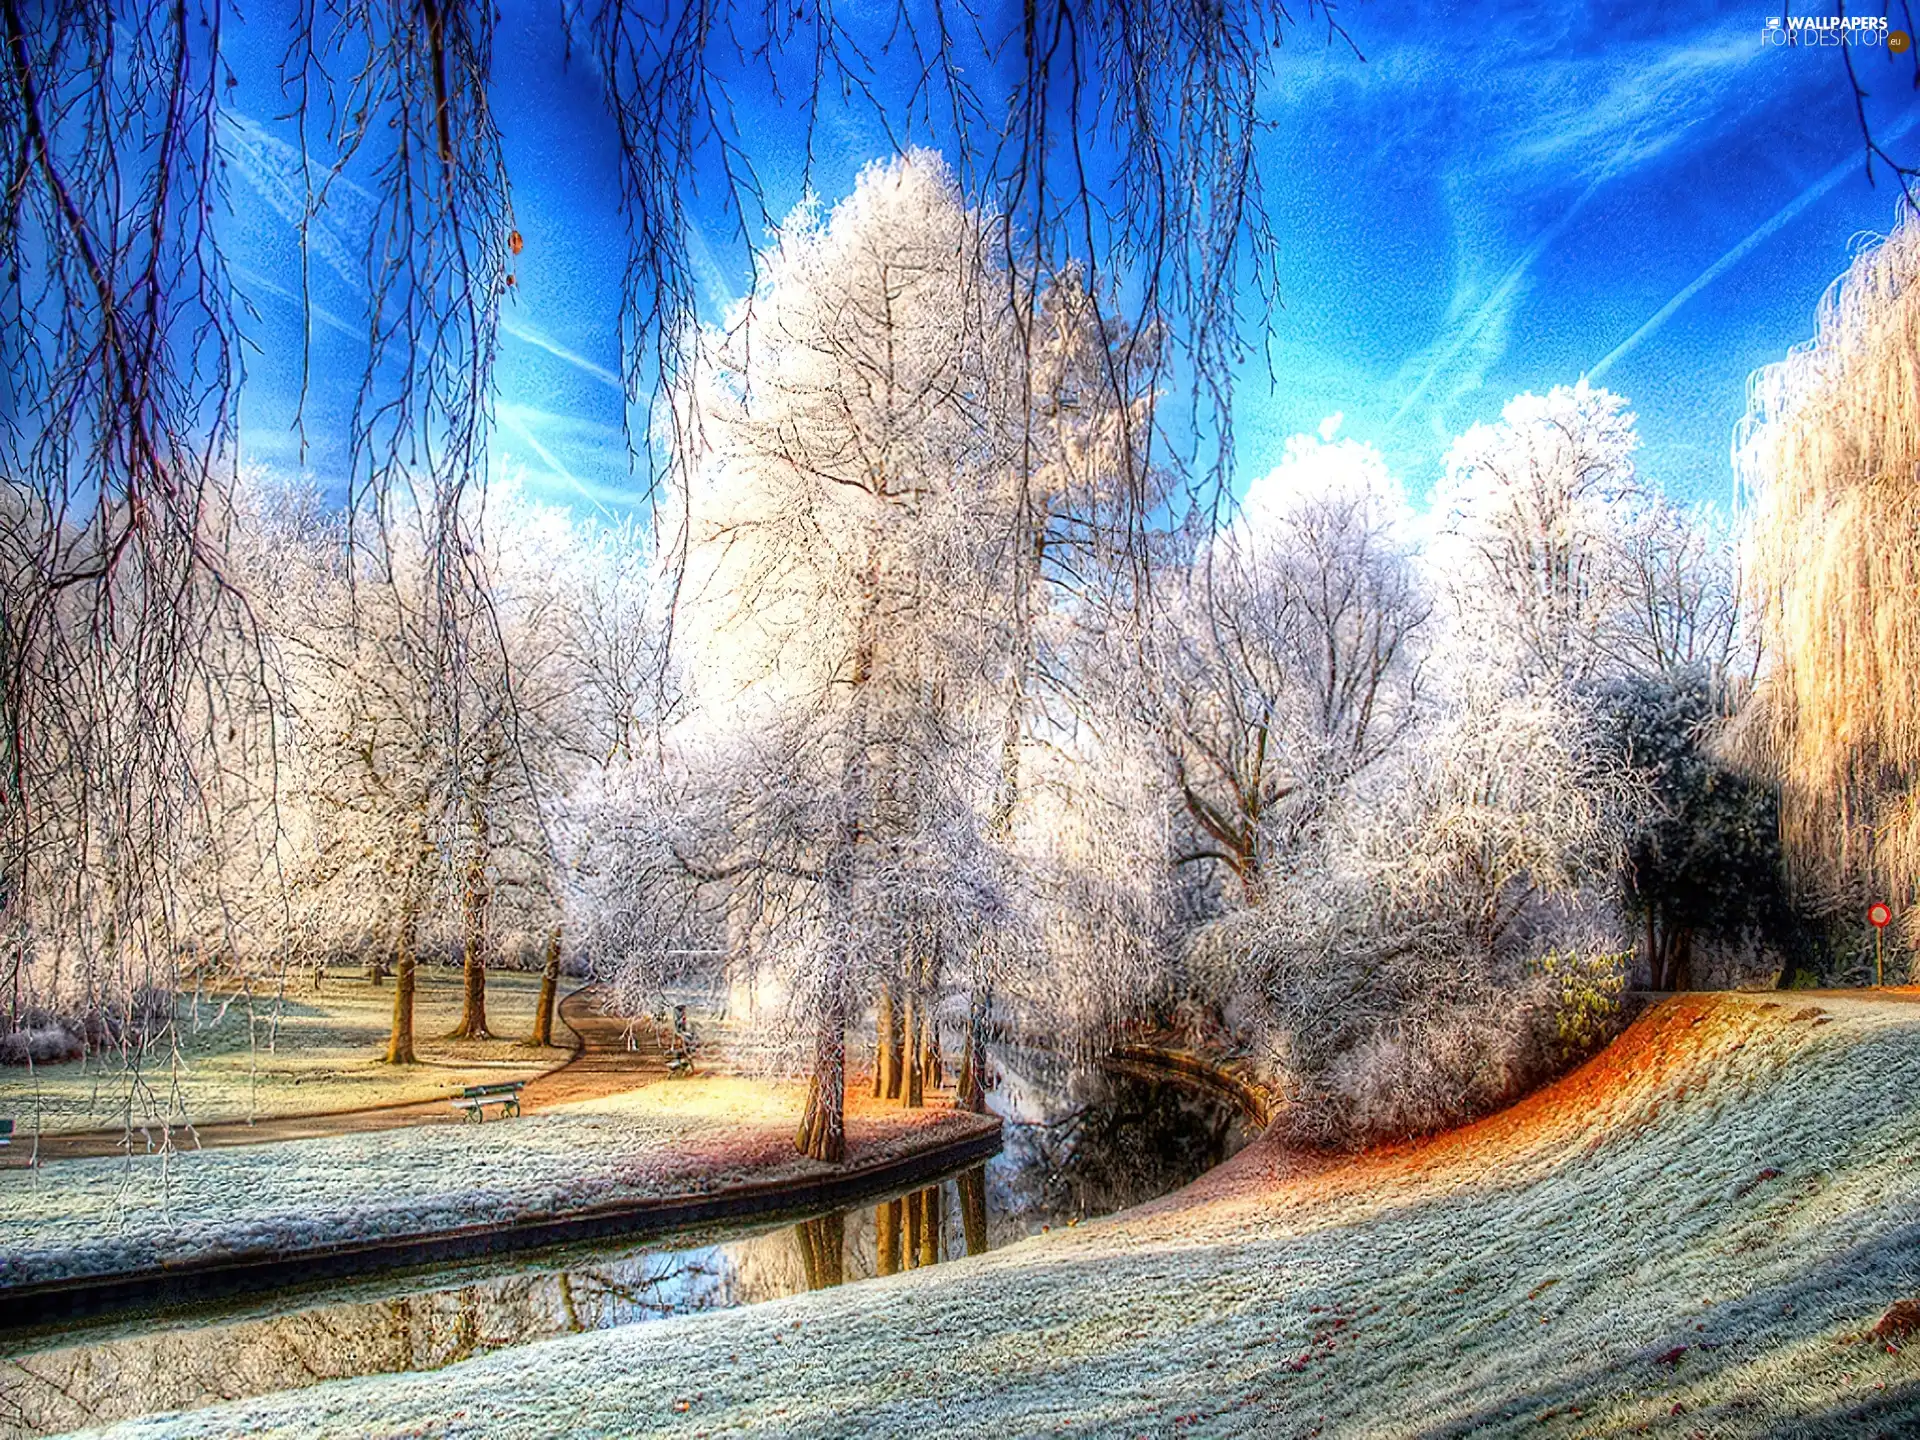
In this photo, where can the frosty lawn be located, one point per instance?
(91, 1217)
(309, 1052)
(1690, 1234)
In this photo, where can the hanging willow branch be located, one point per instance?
(122, 649)
(404, 86)
(1828, 457)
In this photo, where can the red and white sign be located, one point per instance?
(1879, 916)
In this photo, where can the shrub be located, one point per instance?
(42, 1036)
(1580, 998)
(41, 1045)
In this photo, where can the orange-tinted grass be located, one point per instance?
(1662, 1057)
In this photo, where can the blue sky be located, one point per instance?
(1497, 199)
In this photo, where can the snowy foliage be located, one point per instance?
(1283, 665)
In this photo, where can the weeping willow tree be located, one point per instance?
(1829, 459)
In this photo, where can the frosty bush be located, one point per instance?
(40, 1045)
(39, 1035)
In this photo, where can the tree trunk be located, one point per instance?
(1680, 964)
(973, 1208)
(475, 893)
(886, 1060)
(930, 1226)
(476, 899)
(823, 1125)
(405, 971)
(913, 1062)
(932, 1066)
(970, 1092)
(549, 991)
(887, 1219)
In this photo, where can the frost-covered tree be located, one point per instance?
(1282, 664)
(404, 789)
(1420, 963)
(1533, 511)
(1680, 610)
(857, 428)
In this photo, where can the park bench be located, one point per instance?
(475, 1099)
(6, 1132)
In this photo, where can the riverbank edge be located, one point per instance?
(35, 1305)
(1220, 1073)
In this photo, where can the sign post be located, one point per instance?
(1879, 916)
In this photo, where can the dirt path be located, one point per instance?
(609, 1058)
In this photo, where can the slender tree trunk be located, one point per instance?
(823, 1124)
(887, 1220)
(895, 1047)
(973, 1208)
(476, 900)
(913, 1063)
(473, 1006)
(930, 1225)
(884, 1058)
(1680, 967)
(932, 1065)
(970, 1092)
(549, 991)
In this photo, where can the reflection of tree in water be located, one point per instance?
(1084, 1143)
(195, 1365)
(651, 1287)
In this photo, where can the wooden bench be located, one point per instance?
(475, 1099)
(6, 1132)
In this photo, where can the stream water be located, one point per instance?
(1079, 1143)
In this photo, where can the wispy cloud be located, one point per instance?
(278, 174)
(1589, 119)
(1755, 238)
(587, 445)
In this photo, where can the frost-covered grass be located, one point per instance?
(88, 1217)
(300, 1052)
(1688, 1235)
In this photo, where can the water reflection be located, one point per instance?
(1078, 1144)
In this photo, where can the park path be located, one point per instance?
(610, 1056)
